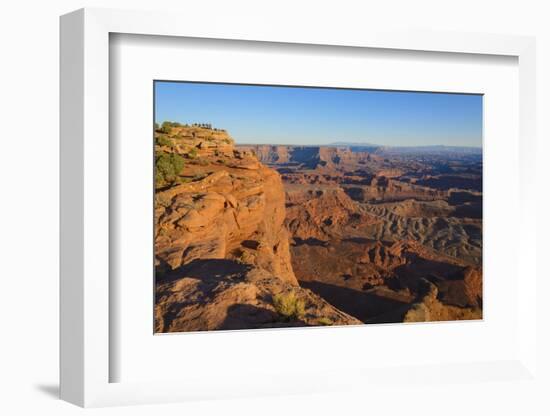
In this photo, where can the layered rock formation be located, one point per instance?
(436, 224)
(429, 308)
(232, 212)
(321, 212)
(381, 188)
(221, 247)
(311, 157)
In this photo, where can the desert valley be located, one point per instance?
(264, 236)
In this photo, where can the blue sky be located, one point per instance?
(292, 115)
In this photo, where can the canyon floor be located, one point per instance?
(263, 236)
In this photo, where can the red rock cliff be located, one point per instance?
(221, 245)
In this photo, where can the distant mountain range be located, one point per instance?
(431, 149)
(382, 149)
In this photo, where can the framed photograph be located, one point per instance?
(319, 198)
(281, 225)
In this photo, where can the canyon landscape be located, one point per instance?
(255, 235)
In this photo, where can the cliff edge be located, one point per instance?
(222, 254)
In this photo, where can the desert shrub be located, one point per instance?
(167, 168)
(192, 154)
(288, 306)
(245, 258)
(171, 124)
(163, 141)
(325, 321)
(167, 126)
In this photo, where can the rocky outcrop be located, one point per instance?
(235, 211)
(319, 212)
(241, 298)
(473, 286)
(210, 142)
(429, 308)
(382, 188)
(221, 246)
(311, 157)
(382, 256)
(270, 154)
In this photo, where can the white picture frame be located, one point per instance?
(85, 165)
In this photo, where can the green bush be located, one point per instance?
(167, 168)
(245, 258)
(325, 321)
(163, 141)
(192, 154)
(288, 306)
(167, 126)
(171, 124)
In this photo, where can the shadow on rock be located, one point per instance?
(246, 316)
(362, 305)
(204, 269)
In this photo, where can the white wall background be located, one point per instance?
(29, 205)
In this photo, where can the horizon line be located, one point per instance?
(336, 144)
